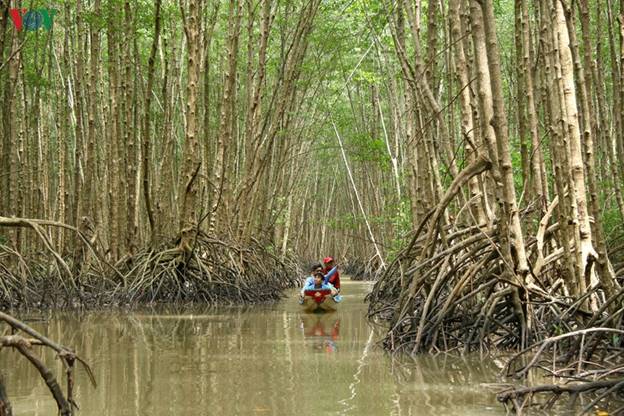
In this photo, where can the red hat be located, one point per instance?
(328, 259)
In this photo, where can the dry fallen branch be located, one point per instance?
(24, 346)
(587, 361)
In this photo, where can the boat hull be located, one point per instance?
(311, 305)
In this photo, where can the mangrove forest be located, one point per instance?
(184, 184)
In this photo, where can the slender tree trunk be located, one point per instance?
(147, 132)
(559, 155)
(472, 145)
(116, 190)
(129, 132)
(499, 123)
(538, 170)
(604, 268)
(188, 183)
(520, 85)
(225, 126)
(92, 99)
(570, 123)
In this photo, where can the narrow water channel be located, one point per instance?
(261, 360)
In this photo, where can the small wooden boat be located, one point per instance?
(319, 301)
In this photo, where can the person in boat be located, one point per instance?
(318, 268)
(318, 283)
(333, 278)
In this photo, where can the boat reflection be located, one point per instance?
(322, 330)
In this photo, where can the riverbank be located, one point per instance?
(210, 271)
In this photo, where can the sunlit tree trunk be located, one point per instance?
(559, 156)
(499, 122)
(583, 80)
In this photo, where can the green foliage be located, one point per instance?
(516, 163)
(368, 77)
(346, 221)
(94, 20)
(372, 11)
(612, 222)
(364, 148)
(402, 220)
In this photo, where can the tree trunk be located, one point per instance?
(604, 268)
(225, 136)
(188, 186)
(147, 132)
(538, 169)
(570, 124)
(499, 123)
(472, 145)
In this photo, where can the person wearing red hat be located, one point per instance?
(328, 262)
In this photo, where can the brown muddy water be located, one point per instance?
(261, 360)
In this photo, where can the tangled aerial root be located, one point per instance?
(454, 290)
(210, 271)
(456, 298)
(587, 361)
(215, 271)
(451, 290)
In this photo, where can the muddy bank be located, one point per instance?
(212, 271)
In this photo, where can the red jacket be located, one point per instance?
(335, 279)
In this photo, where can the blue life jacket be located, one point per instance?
(324, 286)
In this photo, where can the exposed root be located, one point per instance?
(588, 361)
(518, 399)
(196, 268)
(214, 271)
(455, 298)
(452, 289)
(458, 292)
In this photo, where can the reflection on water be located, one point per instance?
(323, 330)
(264, 360)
